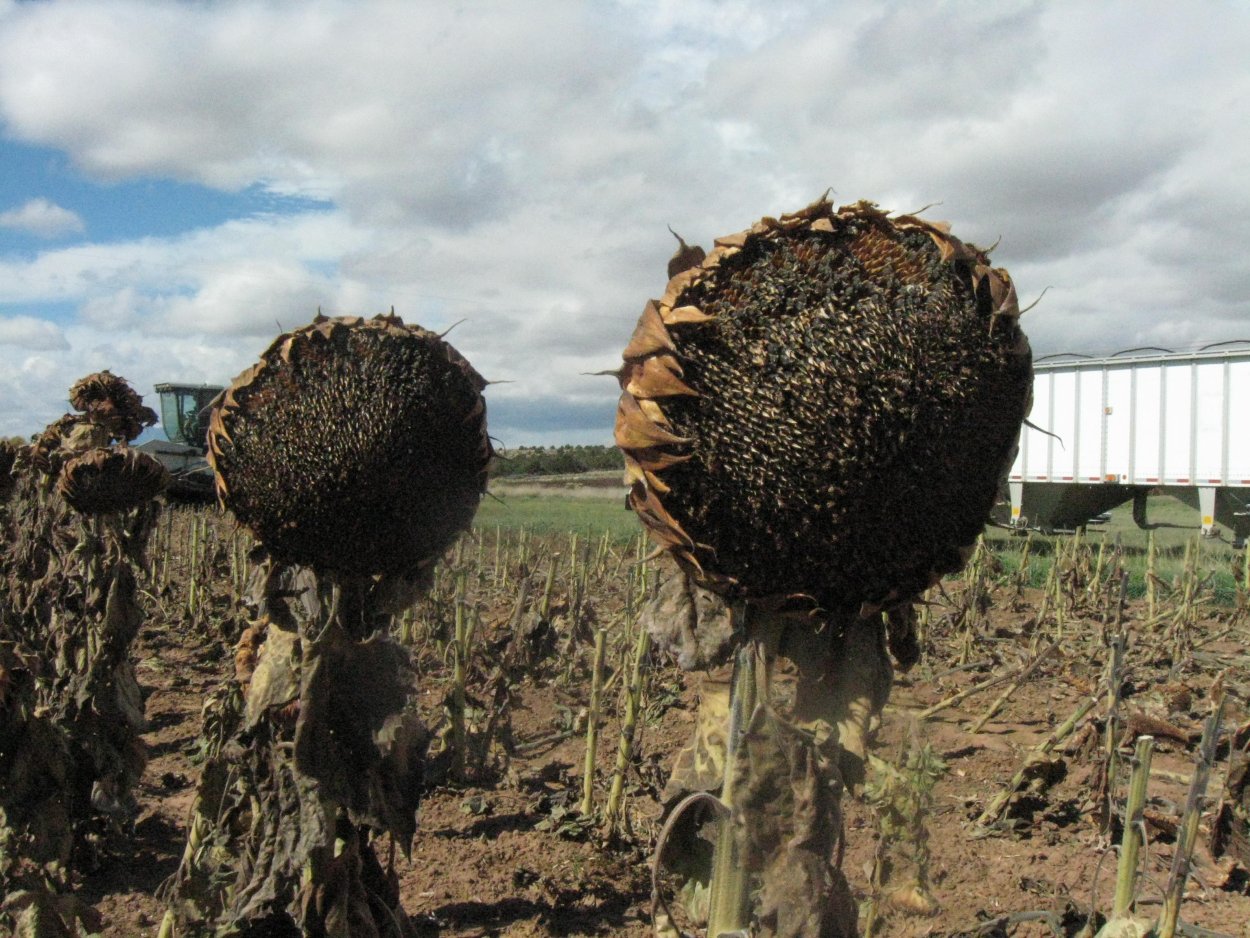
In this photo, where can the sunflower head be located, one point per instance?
(63, 439)
(111, 403)
(102, 481)
(353, 446)
(824, 404)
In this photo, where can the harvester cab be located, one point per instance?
(184, 412)
(184, 418)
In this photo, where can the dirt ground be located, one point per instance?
(483, 863)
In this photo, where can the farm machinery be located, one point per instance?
(184, 418)
(1104, 431)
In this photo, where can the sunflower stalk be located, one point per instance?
(1182, 626)
(1132, 839)
(1111, 728)
(961, 696)
(460, 668)
(195, 839)
(194, 549)
(729, 905)
(1049, 589)
(1174, 891)
(592, 723)
(1022, 571)
(1021, 676)
(629, 723)
(1152, 580)
(1095, 579)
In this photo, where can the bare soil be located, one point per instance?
(481, 864)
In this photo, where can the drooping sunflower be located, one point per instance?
(111, 403)
(825, 404)
(61, 440)
(356, 451)
(353, 446)
(102, 481)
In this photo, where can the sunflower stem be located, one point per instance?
(1152, 593)
(460, 654)
(1131, 840)
(998, 805)
(1174, 892)
(629, 724)
(592, 724)
(729, 908)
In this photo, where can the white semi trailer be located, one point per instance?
(1107, 430)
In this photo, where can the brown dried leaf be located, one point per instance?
(789, 822)
(691, 623)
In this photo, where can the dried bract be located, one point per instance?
(825, 405)
(102, 481)
(356, 446)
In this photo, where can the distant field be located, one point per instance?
(588, 502)
(1175, 525)
(605, 484)
(592, 499)
(592, 503)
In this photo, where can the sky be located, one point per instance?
(182, 181)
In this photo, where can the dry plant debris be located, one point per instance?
(75, 524)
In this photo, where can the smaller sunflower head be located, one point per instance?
(103, 481)
(353, 446)
(111, 403)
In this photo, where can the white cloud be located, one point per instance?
(43, 218)
(34, 386)
(128, 283)
(516, 165)
(29, 332)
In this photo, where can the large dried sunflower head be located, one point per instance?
(110, 402)
(102, 481)
(354, 446)
(825, 405)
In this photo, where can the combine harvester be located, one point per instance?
(184, 418)
(1105, 431)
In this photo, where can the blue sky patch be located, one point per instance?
(119, 211)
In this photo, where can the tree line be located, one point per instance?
(554, 460)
